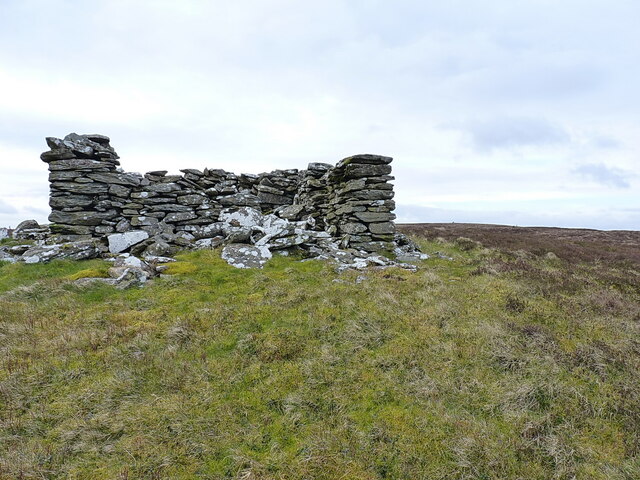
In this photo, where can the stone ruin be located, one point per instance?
(342, 212)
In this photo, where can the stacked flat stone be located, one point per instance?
(277, 188)
(313, 192)
(361, 203)
(83, 180)
(164, 203)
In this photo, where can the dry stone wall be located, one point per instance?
(91, 197)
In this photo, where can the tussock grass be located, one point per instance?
(495, 365)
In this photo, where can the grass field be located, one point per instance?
(494, 365)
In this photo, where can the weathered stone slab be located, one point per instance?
(352, 228)
(365, 158)
(241, 217)
(179, 217)
(72, 251)
(194, 199)
(59, 228)
(357, 170)
(81, 188)
(70, 201)
(81, 217)
(245, 256)
(369, 217)
(274, 199)
(240, 200)
(164, 187)
(119, 242)
(382, 228)
(127, 179)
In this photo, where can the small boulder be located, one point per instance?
(245, 256)
(241, 217)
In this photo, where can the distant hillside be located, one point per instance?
(507, 362)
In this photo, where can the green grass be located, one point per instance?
(491, 366)
(10, 242)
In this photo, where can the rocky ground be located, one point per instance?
(247, 237)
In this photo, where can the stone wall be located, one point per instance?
(91, 197)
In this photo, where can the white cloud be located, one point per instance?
(601, 173)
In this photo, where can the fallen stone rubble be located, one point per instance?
(247, 237)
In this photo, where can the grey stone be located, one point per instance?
(80, 164)
(54, 155)
(64, 175)
(382, 228)
(179, 217)
(19, 249)
(237, 234)
(71, 251)
(209, 243)
(119, 191)
(164, 187)
(123, 226)
(347, 209)
(5, 256)
(159, 248)
(70, 201)
(25, 225)
(100, 139)
(241, 217)
(268, 189)
(192, 171)
(374, 195)
(143, 195)
(62, 229)
(365, 158)
(245, 256)
(356, 170)
(204, 231)
(104, 229)
(369, 217)
(192, 199)
(319, 167)
(142, 220)
(291, 212)
(371, 246)
(240, 199)
(127, 179)
(352, 185)
(129, 271)
(169, 207)
(81, 217)
(274, 199)
(119, 242)
(82, 188)
(352, 228)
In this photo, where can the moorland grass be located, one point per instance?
(493, 365)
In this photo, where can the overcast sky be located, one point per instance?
(519, 113)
